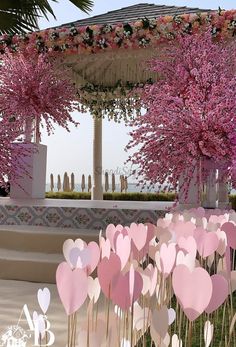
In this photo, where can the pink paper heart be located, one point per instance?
(138, 234)
(192, 289)
(105, 247)
(121, 294)
(123, 248)
(167, 258)
(94, 256)
(110, 233)
(207, 242)
(220, 291)
(72, 287)
(183, 229)
(230, 230)
(107, 270)
(188, 244)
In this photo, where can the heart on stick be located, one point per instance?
(44, 298)
(39, 325)
(72, 286)
(208, 333)
(192, 289)
(167, 258)
(126, 289)
(220, 291)
(94, 289)
(230, 230)
(107, 271)
(207, 242)
(68, 245)
(123, 248)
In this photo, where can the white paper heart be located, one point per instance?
(39, 325)
(171, 315)
(175, 342)
(94, 289)
(44, 298)
(208, 333)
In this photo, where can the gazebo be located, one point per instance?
(106, 54)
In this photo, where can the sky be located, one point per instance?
(72, 152)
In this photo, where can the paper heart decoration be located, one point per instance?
(186, 259)
(123, 248)
(72, 287)
(208, 333)
(233, 281)
(175, 342)
(192, 289)
(107, 271)
(39, 325)
(94, 256)
(167, 258)
(68, 245)
(138, 234)
(184, 229)
(207, 242)
(80, 257)
(94, 289)
(105, 247)
(220, 291)
(160, 321)
(44, 298)
(140, 320)
(230, 230)
(126, 289)
(110, 233)
(171, 316)
(188, 244)
(222, 242)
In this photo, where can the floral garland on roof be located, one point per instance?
(121, 102)
(141, 33)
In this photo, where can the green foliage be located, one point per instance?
(19, 16)
(114, 196)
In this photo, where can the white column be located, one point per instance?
(31, 185)
(97, 190)
(28, 130)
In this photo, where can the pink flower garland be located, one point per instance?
(191, 112)
(139, 34)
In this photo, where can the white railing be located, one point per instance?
(67, 184)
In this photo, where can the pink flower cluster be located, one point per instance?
(34, 87)
(12, 156)
(142, 33)
(191, 112)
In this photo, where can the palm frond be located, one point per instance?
(83, 5)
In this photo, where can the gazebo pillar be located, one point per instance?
(97, 189)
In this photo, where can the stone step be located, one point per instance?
(29, 266)
(32, 253)
(40, 239)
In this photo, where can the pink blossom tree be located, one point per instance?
(34, 90)
(191, 112)
(35, 87)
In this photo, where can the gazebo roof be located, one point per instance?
(133, 13)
